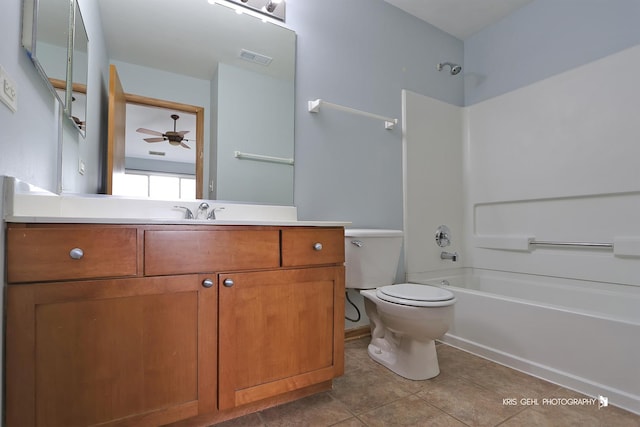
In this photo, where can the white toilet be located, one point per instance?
(405, 318)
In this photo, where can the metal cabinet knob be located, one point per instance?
(228, 283)
(317, 246)
(207, 283)
(76, 253)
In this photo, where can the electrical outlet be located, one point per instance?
(81, 167)
(8, 90)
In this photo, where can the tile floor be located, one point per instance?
(468, 392)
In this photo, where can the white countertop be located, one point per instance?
(25, 203)
(169, 221)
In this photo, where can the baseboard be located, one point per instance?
(582, 385)
(355, 333)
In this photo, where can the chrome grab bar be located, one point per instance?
(581, 244)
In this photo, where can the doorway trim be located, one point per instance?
(192, 109)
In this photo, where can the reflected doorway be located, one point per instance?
(172, 132)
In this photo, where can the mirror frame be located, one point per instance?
(72, 85)
(30, 14)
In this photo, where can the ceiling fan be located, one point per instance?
(174, 137)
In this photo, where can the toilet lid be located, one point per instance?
(413, 294)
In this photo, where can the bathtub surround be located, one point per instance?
(552, 161)
(433, 180)
(568, 147)
(574, 333)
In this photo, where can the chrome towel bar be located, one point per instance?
(582, 244)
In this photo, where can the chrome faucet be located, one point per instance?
(187, 212)
(202, 209)
(449, 255)
(212, 214)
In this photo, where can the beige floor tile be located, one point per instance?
(468, 402)
(564, 416)
(364, 389)
(319, 410)
(251, 420)
(357, 357)
(458, 362)
(510, 383)
(409, 411)
(351, 422)
(468, 392)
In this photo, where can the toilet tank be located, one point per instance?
(371, 257)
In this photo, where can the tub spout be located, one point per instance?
(448, 255)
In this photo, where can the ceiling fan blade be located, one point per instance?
(149, 131)
(154, 139)
(182, 144)
(183, 132)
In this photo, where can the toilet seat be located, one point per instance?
(416, 295)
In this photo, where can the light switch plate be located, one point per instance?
(8, 90)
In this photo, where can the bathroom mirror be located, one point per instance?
(239, 68)
(77, 97)
(54, 35)
(46, 26)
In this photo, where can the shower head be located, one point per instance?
(455, 68)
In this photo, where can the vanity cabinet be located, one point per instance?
(151, 324)
(84, 252)
(91, 352)
(278, 332)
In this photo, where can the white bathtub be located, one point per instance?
(582, 335)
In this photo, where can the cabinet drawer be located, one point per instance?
(177, 252)
(300, 246)
(45, 254)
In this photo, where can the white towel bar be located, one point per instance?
(261, 158)
(314, 107)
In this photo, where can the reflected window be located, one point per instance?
(158, 186)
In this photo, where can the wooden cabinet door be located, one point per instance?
(110, 352)
(279, 331)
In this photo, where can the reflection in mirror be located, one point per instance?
(46, 37)
(201, 65)
(163, 145)
(76, 99)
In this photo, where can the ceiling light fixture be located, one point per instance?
(271, 8)
(271, 5)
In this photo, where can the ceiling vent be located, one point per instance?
(255, 57)
(157, 153)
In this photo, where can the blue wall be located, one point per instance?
(29, 143)
(545, 38)
(360, 53)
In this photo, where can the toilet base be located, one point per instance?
(409, 358)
